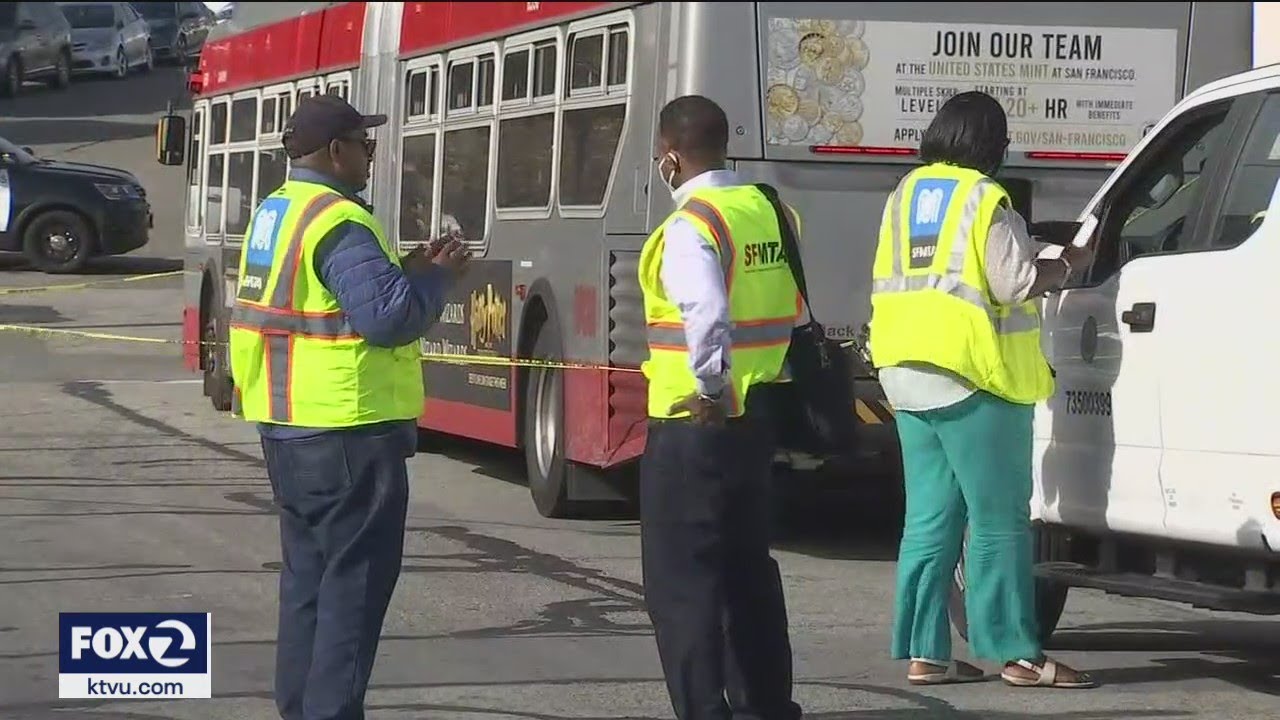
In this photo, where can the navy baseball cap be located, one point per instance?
(321, 119)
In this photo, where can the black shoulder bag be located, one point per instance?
(816, 409)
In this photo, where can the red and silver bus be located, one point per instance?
(531, 126)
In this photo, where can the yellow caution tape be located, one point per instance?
(84, 285)
(433, 357)
(870, 411)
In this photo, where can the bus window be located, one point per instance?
(461, 85)
(218, 123)
(589, 141)
(270, 114)
(417, 180)
(415, 98)
(195, 204)
(524, 161)
(213, 193)
(544, 69)
(244, 119)
(464, 185)
(617, 56)
(239, 197)
(586, 58)
(273, 167)
(515, 76)
(485, 84)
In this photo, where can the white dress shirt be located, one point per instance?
(694, 282)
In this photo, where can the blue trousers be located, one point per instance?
(343, 496)
(967, 464)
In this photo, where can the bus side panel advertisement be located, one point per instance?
(476, 321)
(879, 83)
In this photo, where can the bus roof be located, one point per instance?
(278, 41)
(252, 15)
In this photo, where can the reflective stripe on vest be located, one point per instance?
(951, 281)
(278, 320)
(763, 304)
(287, 328)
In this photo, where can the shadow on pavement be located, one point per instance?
(62, 131)
(1240, 652)
(111, 265)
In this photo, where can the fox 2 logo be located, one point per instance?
(133, 643)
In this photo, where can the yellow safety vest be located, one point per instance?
(740, 223)
(930, 301)
(294, 356)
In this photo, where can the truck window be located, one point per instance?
(1152, 208)
(1253, 181)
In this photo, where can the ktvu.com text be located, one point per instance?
(134, 655)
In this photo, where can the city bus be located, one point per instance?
(531, 127)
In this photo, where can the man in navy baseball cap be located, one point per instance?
(327, 124)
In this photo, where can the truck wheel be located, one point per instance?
(217, 370)
(1051, 597)
(546, 467)
(62, 73)
(58, 241)
(13, 78)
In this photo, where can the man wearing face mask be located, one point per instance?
(324, 353)
(720, 304)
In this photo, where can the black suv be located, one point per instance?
(35, 44)
(62, 214)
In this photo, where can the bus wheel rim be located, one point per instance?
(547, 428)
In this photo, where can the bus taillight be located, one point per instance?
(859, 150)
(1084, 156)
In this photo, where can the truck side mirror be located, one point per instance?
(171, 140)
(1054, 232)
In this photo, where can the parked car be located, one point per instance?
(35, 44)
(178, 29)
(61, 214)
(108, 37)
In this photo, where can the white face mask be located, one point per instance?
(668, 179)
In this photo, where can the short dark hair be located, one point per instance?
(696, 126)
(970, 131)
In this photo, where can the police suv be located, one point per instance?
(61, 214)
(1157, 461)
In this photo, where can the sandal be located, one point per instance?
(1046, 676)
(953, 672)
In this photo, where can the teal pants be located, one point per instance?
(969, 463)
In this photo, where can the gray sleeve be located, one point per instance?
(1011, 257)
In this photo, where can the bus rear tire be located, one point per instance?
(545, 463)
(1051, 597)
(217, 376)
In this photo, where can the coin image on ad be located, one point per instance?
(795, 128)
(860, 54)
(852, 83)
(784, 49)
(809, 110)
(850, 28)
(812, 46)
(849, 134)
(804, 79)
(836, 102)
(782, 101)
(777, 76)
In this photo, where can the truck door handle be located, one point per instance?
(1141, 317)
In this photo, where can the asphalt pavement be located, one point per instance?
(122, 489)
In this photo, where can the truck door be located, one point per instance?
(1216, 338)
(1101, 468)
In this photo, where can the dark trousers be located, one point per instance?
(343, 497)
(714, 593)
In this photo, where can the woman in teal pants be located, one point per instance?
(966, 448)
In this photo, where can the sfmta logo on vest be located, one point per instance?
(134, 655)
(929, 202)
